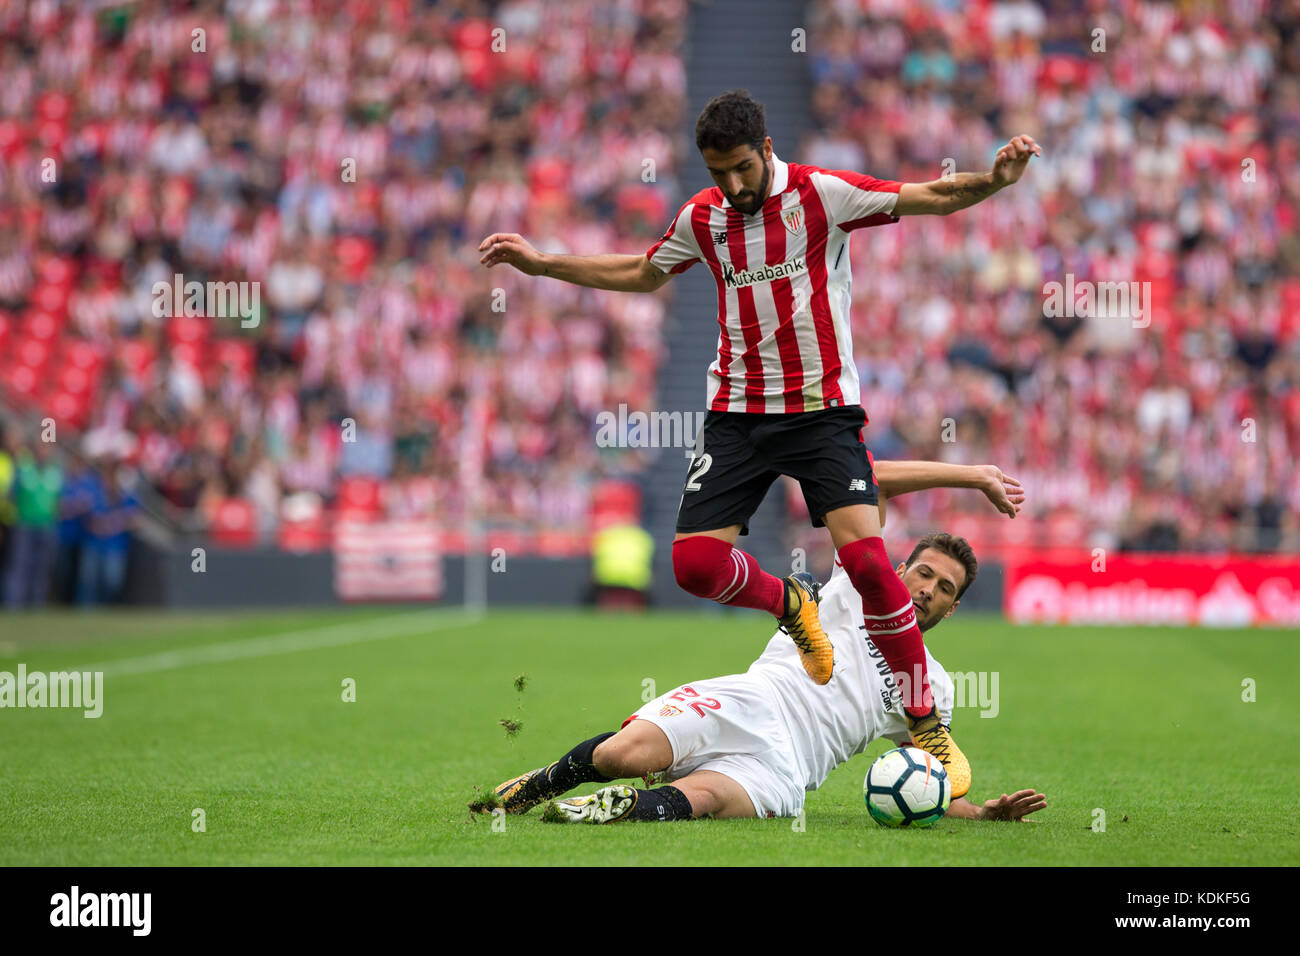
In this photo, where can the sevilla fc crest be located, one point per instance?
(793, 219)
(670, 710)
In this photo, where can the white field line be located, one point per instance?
(308, 639)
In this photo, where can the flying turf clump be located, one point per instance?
(511, 725)
(484, 802)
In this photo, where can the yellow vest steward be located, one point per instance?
(621, 557)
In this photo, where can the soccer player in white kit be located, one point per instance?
(752, 744)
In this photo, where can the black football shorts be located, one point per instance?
(740, 454)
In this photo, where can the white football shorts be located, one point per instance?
(729, 725)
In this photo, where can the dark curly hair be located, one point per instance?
(953, 546)
(731, 119)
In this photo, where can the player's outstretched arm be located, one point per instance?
(1009, 807)
(618, 273)
(942, 196)
(900, 477)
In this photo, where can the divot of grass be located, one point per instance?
(485, 802)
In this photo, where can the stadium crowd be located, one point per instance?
(348, 158)
(1170, 160)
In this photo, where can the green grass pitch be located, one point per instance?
(242, 715)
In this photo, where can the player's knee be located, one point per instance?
(703, 800)
(693, 580)
(614, 758)
(867, 565)
(632, 752)
(707, 796)
(699, 563)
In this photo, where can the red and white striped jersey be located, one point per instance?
(783, 285)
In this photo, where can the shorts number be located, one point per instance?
(696, 705)
(699, 705)
(700, 465)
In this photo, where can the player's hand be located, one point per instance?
(514, 250)
(1015, 807)
(1003, 490)
(1013, 158)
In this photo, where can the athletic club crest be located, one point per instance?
(793, 219)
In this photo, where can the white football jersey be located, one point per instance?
(831, 723)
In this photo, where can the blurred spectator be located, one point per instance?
(7, 466)
(622, 556)
(77, 500)
(107, 543)
(38, 480)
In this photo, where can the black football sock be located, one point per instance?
(660, 805)
(575, 768)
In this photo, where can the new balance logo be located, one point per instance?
(858, 484)
(720, 238)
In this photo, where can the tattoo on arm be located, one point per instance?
(966, 189)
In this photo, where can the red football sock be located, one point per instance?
(711, 568)
(891, 619)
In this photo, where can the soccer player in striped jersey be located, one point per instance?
(752, 744)
(783, 395)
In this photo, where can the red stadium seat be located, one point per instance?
(51, 297)
(53, 270)
(81, 354)
(189, 353)
(234, 524)
(74, 380)
(21, 381)
(615, 501)
(238, 355)
(12, 138)
(68, 407)
(359, 499)
(309, 534)
(136, 355)
(188, 328)
(42, 325)
(354, 255)
(1290, 291)
(34, 353)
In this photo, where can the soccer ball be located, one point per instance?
(907, 788)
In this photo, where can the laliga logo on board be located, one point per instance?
(1279, 601)
(1227, 604)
